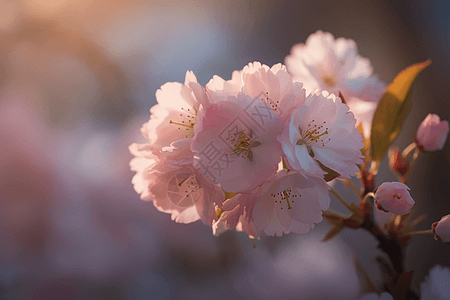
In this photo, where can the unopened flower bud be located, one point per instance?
(393, 197)
(432, 134)
(397, 162)
(441, 229)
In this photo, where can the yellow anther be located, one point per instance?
(244, 144)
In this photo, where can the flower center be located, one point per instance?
(243, 144)
(187, 122)
(398, 196)
(313, 134)
(183, 190)
(329, 80)
(285, 195)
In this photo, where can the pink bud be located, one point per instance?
(432, 133)
(441, 229)
(394, 197)
(397, 162)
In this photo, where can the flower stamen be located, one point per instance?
(286, 195)
(189, 125)
(313, 133)
(184, 192)
(243, 144)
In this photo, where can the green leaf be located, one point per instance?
(392, 111)
(366, 142)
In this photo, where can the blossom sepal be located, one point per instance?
(356, 220)
(400, 228)
(441, 229)
(398, 164)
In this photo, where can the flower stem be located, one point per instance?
(341, 199)
(387, 244)
(336, 213)
(408, 149)
(353, 186)
(370, 194)
(411, 166)
(421, 232)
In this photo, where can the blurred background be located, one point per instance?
(77, 80)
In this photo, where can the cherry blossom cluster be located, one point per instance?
(255, 153)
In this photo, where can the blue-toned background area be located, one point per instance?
(77, 80)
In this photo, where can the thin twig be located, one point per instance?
(370, 194)
(336, 213)
(341, 199)
(415, 222)
(408, 149)
(353, 186)
(412, 164)
(421, 232)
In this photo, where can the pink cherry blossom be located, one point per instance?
(394, 197)
(432, 133)
(326, 63)
(142, 164)
(236, 217)
(273, 86)
(234, 208)
(290, 202)
(174, 117)
(186, 195)
(322, 130)
(363, 111)
(237, 145)
(441, 229)
(247, 226)
(173, 122)
(181, 192)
